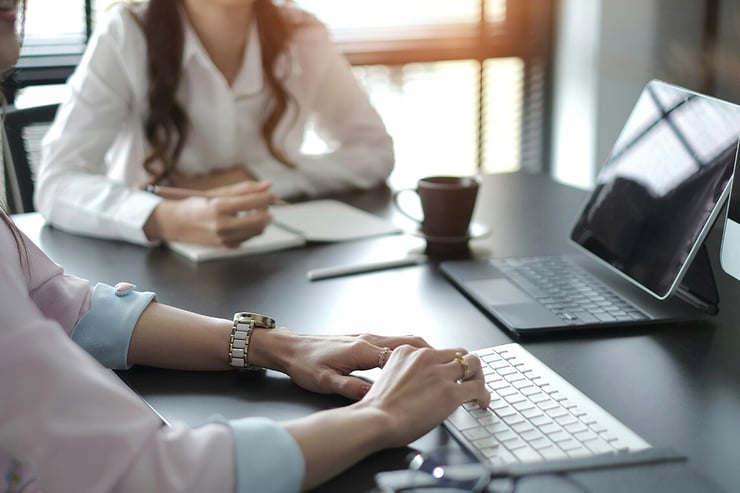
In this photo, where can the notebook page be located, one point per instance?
(331, 220)
(272, 238)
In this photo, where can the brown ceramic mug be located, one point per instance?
(447, 204)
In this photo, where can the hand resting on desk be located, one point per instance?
(223, 216)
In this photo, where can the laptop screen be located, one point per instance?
(661, 188)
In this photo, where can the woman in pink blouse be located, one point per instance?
(67, 424)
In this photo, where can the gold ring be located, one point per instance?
(459, 357)
(383, 356)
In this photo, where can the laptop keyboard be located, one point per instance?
(535, 415)
(567, 291)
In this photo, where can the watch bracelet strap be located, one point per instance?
(241, 336)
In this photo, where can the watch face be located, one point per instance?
(260, 321)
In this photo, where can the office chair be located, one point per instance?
(23, 130)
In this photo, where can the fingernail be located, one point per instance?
(364, 390)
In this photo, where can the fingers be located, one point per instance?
(471, 378)
(457, 366)
(233, 230)
(240, 188)
(394, 341)
(234, 204)
(350, 387)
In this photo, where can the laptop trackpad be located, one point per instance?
(496, 292)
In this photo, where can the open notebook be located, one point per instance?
(295, 224)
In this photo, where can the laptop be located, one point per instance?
(640, 257)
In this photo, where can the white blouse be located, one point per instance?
(92, 156)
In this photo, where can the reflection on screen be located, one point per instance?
(661, 185)
(733, 211)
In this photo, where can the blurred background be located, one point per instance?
(469, 85)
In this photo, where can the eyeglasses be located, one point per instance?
(443, 470)
(452, 470)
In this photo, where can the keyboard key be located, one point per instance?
(505, 411)
(478, 413)
(527, 454)
(579, 452)
(532, 413)
(559, 436)
(599, 446)
(552, 453)
(462, 420)
(475, 433)
(497, 427)
(514, 444)
(540, 443)
(504, 435)
(514, 398)
(530, 435)
(503, 457)
(566, 419)
(522, 427)
(531, 391)
(541, 421)
(524, 405)
(586, 435)
(513, 419)
(487, 442)
(568, 444)
(574, 428)
(550, 428)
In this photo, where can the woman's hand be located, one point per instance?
(217, 179)
(323, 363)
(419, 388)
(224, 216)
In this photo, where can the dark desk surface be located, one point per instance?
(675, 386)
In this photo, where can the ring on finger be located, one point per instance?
(383, 356)
(460, 358)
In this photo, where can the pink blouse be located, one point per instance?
(68, 424)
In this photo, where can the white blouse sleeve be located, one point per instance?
(73, 189)
(361, 155)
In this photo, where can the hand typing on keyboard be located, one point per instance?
(423, 386)
(535, 415)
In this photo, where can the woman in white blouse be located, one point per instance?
(205, 95)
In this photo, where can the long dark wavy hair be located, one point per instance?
(166, 126)
(22, 251)
(17, 236)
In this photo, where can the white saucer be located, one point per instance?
(475, 231)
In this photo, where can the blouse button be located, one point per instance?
(124, 288)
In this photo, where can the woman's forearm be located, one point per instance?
(335, 439)
(168, 337)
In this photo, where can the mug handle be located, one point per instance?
(397, 194)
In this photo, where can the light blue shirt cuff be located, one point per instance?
(268, 459)
(105, 330)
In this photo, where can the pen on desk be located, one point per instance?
(174, 193)
(346, 270)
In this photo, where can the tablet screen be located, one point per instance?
(662, 186)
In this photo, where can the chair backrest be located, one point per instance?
(24, 128)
